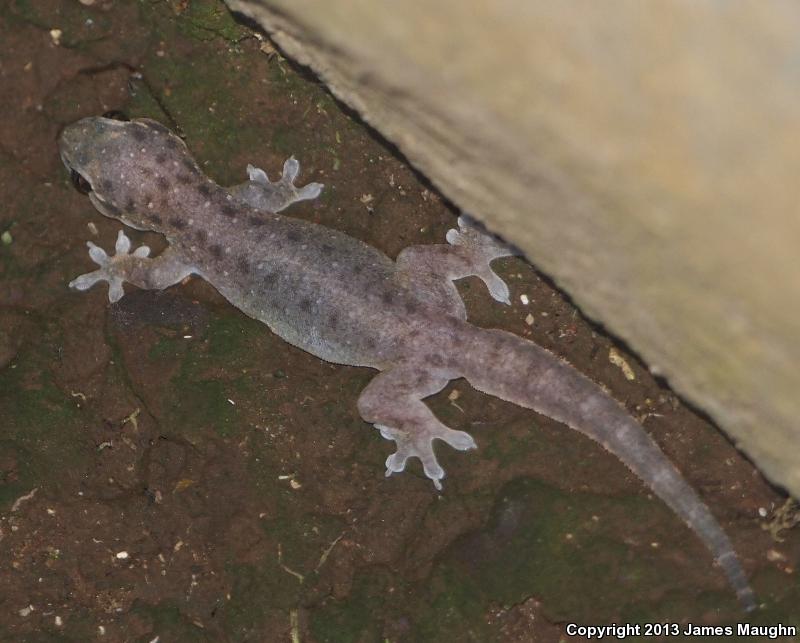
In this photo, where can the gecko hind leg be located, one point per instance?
(393, 402)
(470, 253)
(262, 194)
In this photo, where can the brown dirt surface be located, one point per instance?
(172, 471)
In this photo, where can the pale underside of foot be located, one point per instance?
(262, 194)
(418, 443)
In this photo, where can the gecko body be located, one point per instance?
(348, 303)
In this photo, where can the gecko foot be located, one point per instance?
(263, 194)
(483, 248)
(112, 269)
(419, 443)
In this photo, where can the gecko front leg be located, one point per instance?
(135, 268)
(470, 253)
(262, 194)
(393, 403)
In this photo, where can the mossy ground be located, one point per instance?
(232, 469)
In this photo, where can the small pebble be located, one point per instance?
(123, 555)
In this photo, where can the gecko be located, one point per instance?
(346, 302)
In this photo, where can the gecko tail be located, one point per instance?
(550, 386)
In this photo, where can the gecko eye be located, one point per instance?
(81, 185)
(116, 115)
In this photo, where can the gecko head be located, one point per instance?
(127, 168)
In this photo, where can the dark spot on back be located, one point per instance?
(435, 360)
(370, 343)
(256, 221)
(215, 250)
(185, 179)
(387, 297)
(161, 158)
(163, 184)
(228, 211)
(130, 205)
(139, 134)
(177, 222)
(201, 235)
(333, 321)
(204, 189)
(243, 265)
(411, 307)
(171, 143)
(107, 185)
(293, 235)
(189, 164)
(305, 304)
(326, 249)
(270, 278)
(146, 170)
(357, 270)
(152, 217)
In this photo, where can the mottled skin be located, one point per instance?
(348, 303)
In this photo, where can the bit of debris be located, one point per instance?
(327, 552)
(55, 36)
(529, 320)
(267, 48)
(58, 621)
(25, 611)
(231, 402)
(294, 624)
(92, 228)
(183, 483)
(21, 499)
(132, 419)
(297, 575)
(6, 238)
(123, 555)
(783, 518)
(524, 299)
(294, 484)
(774, 556)
(618, 360)
(453, 396)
